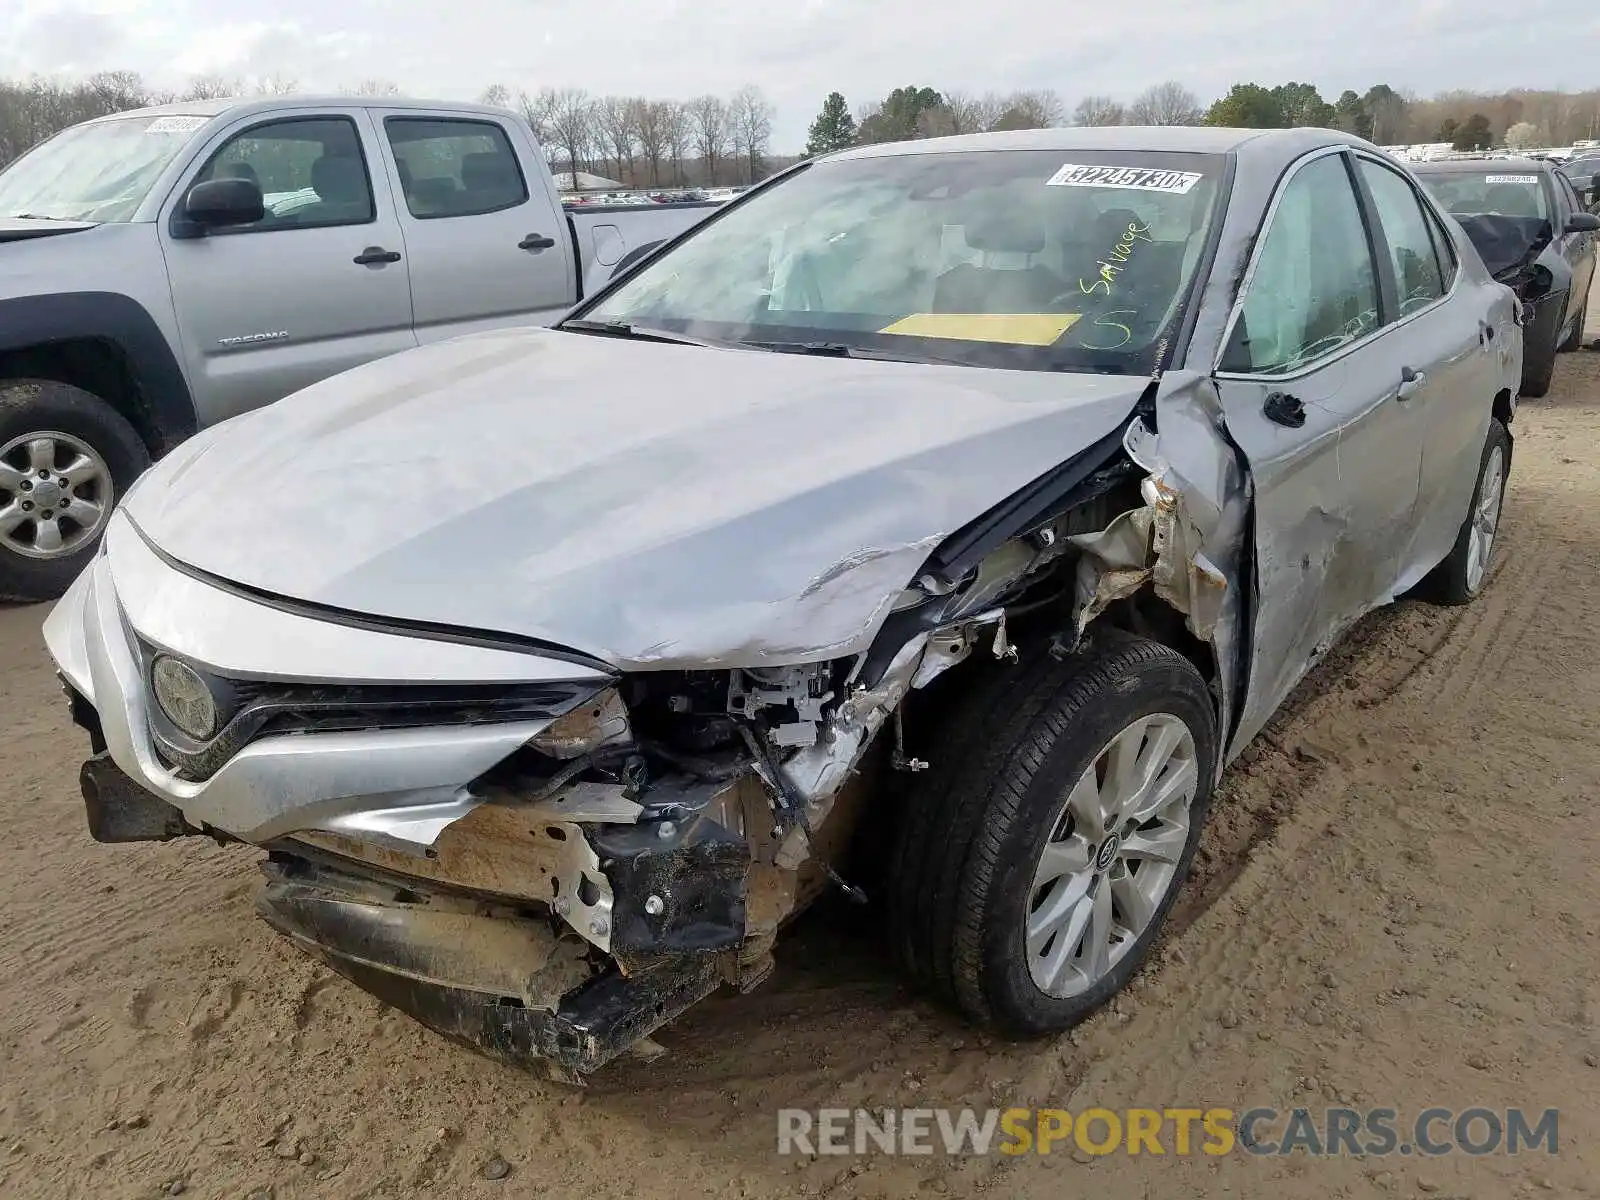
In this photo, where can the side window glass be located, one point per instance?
(455, 168)
(311, 172)
(1444, 247)
(1564, 186)
(1405, 232)
(1314, 288)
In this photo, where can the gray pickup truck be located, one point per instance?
(164, 269)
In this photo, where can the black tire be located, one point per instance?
(29, 406)
(961, 870)
(1451, 582)
(1538, 364)
(1575, 338)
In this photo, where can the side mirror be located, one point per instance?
(218, 203)
(1583, 223)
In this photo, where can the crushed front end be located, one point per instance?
(517, 845)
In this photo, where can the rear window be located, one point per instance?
(1497, 191)
(1037, 260)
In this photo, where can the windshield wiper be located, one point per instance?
(625, 329)
(845, 350)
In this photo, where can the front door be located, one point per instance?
(1309, 388)
(315, 287)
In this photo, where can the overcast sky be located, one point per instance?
(799, 50)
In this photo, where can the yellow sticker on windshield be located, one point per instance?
(1010, 329)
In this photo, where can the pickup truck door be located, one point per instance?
(1310, 381)
(317, 286)
(485, 232)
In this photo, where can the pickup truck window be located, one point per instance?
(1028, 259)
(310, 170)
(96, 172)
(454, 168)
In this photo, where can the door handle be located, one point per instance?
(536, 241)
(376, 254)
(1410, 383)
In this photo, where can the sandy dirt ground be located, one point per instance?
(1396, 906)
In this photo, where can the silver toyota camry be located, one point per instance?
(933, 525)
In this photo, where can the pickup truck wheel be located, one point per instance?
(1461, 576)
(1031, 875)
(65, 458)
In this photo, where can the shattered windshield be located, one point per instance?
(1488, 190)
(1028, 259)
(96, 172)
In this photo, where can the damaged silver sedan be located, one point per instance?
(934, 523)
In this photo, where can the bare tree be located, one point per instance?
(377, 87)
(1098, 110)
(497, 95)
(967, 113)
(650, 129)
(212, 87)
(750, 121)
(277, 84)
(1040, 108)
(614, 122)
(117, 91)
(539, 111)
(570, 125)
(1168, 103)
(677, 133)
(708, 118)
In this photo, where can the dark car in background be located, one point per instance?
(1584, 175)
(1529, 223)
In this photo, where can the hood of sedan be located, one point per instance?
(653, 505)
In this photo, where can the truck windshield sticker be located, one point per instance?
(175, 124)
(1511, 179)
(1139, 179)
(1010, 329)
(1115, 261)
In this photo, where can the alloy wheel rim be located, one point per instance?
(55, 494)
(1485, 519)
(1112, 855)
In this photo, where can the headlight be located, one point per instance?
(184, 697)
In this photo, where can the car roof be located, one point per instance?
(247, 105)
(1268, 146)
(1525, 166)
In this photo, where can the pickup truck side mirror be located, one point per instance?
(1583, 223)
(218, 203)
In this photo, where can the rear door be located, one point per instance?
(1308, 383)
(487, 242)
(1439, 330)
(317, 286)
(1577, 248)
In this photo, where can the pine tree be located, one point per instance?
(834, 128)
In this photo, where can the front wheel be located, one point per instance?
(1031, 876)
(65, 457)
(1461, 576)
